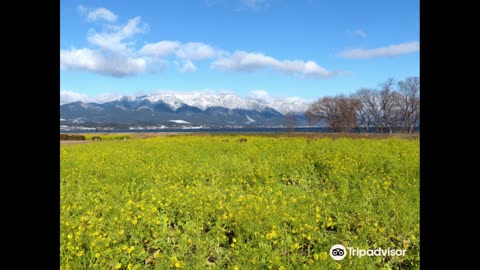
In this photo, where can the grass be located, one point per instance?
(211, 202)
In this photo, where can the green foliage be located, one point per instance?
(211, 202)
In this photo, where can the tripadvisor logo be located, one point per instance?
(338, 252)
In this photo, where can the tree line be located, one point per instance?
(393, 107)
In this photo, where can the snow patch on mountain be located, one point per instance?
(144, 108)
(121, 107)
(179, 121)
(250, 120)
(90, 106)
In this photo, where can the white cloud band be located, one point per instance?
(94, 61)
(392, 50)
(247, 62)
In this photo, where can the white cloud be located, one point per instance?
(115, 54)
(114, 41)
(97, 14)
(101, 14)
(360, 33)
(258, 94)
(70, 96)
(281, 104)
(160, 49)
(187, 53)
(196, 51)
(392, 50)
(94, 61)
(244, 61)
(247, 62)
(308, 68)
(188, 66)
(67, 96)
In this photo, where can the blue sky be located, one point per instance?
(302, 48)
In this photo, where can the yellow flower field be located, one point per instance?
(213, 202)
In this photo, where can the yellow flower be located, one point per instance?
(271, 234)
(236, 268)
(118, 266)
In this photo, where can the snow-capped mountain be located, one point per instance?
(205, 100)
(193, 108)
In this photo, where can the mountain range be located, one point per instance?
(197, 109)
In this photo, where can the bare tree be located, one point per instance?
(386, 109)
(322, 109)
(290, 121)
(340, 112)
(348, 110)
(364, 120)
(370, 112)
(311, 117)
(396, 110)
(386, 100)
(410, 103)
